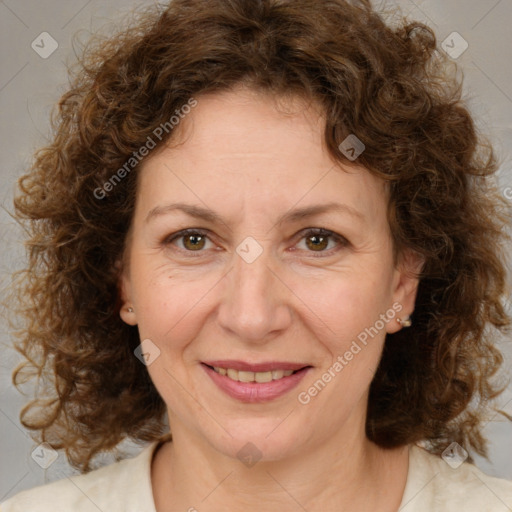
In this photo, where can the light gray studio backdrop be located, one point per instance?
(35, 44)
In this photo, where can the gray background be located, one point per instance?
(30, 85)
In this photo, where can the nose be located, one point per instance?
(254, 305)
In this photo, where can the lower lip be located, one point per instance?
(256, 392)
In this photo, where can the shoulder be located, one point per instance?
(434, 485)
(125, 485)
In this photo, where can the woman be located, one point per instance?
(271, 225)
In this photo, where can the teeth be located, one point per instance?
(241, 376)
(263, 376)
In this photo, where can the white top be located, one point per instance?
(432, 486)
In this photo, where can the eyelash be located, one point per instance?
(342, 241)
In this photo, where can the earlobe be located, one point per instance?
(405, 322)
(409, 274)
(127, 311)
(127, 314)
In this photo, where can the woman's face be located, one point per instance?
(248, 283)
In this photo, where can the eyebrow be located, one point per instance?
(292, 216)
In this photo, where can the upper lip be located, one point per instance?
(255, 367)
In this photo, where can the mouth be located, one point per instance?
(251, 376)
(242, 371)
(255, 383)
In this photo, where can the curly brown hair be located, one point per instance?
(388, 85)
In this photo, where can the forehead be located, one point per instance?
(249, 123)
(245, 149)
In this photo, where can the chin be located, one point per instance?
(251, 443)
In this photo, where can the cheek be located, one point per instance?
(342, 304)
(171, 304)
(348, 327)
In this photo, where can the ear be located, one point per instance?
(405, 286)
(127, 310)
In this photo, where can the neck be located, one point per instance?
(347, 473)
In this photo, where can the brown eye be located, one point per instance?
(317, 242)
(189, 241)
(322, 241)
(194, 241)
